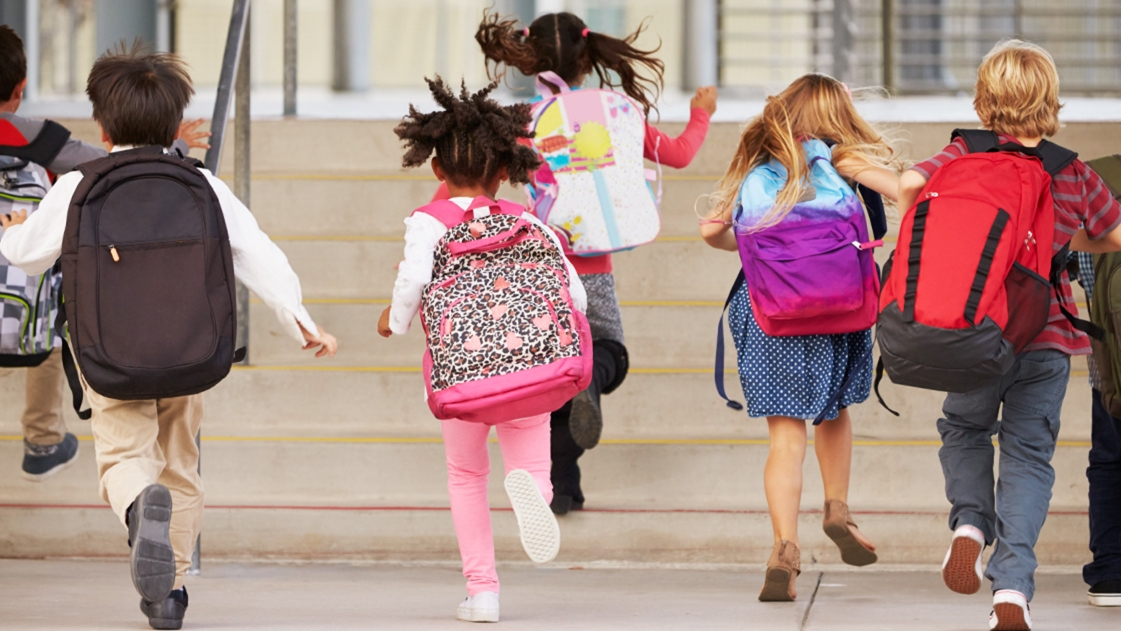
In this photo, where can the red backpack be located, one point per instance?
(972, 288)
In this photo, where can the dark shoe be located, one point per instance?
(167, 613)
(1106, 594)
(586, 420)
(563, 504)
(42, 461)
(152, 559)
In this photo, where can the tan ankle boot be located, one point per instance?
(783, 567)
(839, 526)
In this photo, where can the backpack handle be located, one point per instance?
(547, 78)
(520, 232)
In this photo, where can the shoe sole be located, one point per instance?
(776, 586)
(960, 573)
(1105, 600)
(585, 421)
(165, 623)
(1010, 617)
(538, 526)
(152, 558)
(477, 615)
(39, 477)
(852, 551)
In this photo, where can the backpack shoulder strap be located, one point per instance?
(44, 148)
(977, 140)
(445, 211)
(1055, 157)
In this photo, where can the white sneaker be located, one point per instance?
(1010, 612)
(482, 607)
(538, 524)
(961, 571)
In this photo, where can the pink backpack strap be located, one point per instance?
(500, 206)
(446, 212)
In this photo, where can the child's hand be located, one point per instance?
(194, 139)
(705, 98)
(327, 342)
(13, 219)
(383, 324)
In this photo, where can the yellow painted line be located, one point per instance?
(338, 237)
(337, 301)
(383, 440)
(322, 368)
(670, 303)
(340, 177)
(677, 239)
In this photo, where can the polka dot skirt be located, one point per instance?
(796, 376)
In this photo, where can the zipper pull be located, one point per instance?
(114, 254)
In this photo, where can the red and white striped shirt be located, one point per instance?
(1081, 200)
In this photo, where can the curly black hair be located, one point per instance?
(473, 136)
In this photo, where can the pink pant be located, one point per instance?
(525, 445)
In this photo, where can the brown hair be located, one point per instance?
(1018, 90)
(473, 136)
(13, 62)
(562, 43)
(138, 97)
(814, 106)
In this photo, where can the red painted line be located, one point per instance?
(653, 511)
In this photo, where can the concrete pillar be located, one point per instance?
(701, 51)
(20, 16)
(126, 20)
(13, 13)
(352, 21)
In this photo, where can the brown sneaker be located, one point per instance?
(839, 526)
(784, 566)
(961, 570)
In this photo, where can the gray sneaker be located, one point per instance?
(152, 558)
(42, 461)
(586, 421)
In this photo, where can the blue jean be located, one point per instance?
(1104, 474)
(1027, 429)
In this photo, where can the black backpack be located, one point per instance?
(148, 277)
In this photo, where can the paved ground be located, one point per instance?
(54, 595)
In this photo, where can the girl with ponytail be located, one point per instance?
(563, 44)
(794, 378)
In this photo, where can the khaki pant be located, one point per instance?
(42, 413)
(139, 443)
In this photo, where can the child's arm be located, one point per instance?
(911, 184)
(678, 152)
(716, 230)
(264, 269)
(1101, 216)
(34, 243)
(880, 179)
(422, 233)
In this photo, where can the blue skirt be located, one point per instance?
(797, 376)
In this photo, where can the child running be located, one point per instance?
(563, 44)
(1017, 97)
(790, 379)
(476, 145)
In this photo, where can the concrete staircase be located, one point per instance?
(307, 459)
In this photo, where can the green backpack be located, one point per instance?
(1105, 306)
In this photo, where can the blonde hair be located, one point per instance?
(814, 106)
(1018, 90)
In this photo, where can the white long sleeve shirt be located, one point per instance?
(35, 245)
(422, 234)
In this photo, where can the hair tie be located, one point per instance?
(584, 33)
(526, 32)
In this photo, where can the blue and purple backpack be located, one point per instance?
(813, 273)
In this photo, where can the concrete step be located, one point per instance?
(653, 404)
(659, 335)
(669, 475)
(402, 534)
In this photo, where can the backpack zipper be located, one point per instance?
(113, 252)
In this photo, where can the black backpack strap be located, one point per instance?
(1058, 266)
(874, 205)
(74, 380)
(1055, 158)
(44, 148)
(718, 373)
(977, 140)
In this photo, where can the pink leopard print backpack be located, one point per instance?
(504, 340)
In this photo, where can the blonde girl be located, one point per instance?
(791, 379)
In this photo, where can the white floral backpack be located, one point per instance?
(593, 184)
(504, 339)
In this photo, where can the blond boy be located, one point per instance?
(1017, 96)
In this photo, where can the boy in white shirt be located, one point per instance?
(146, 452)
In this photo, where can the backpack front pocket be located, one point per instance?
(15, 324)
(804, 270)
(147, 297)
